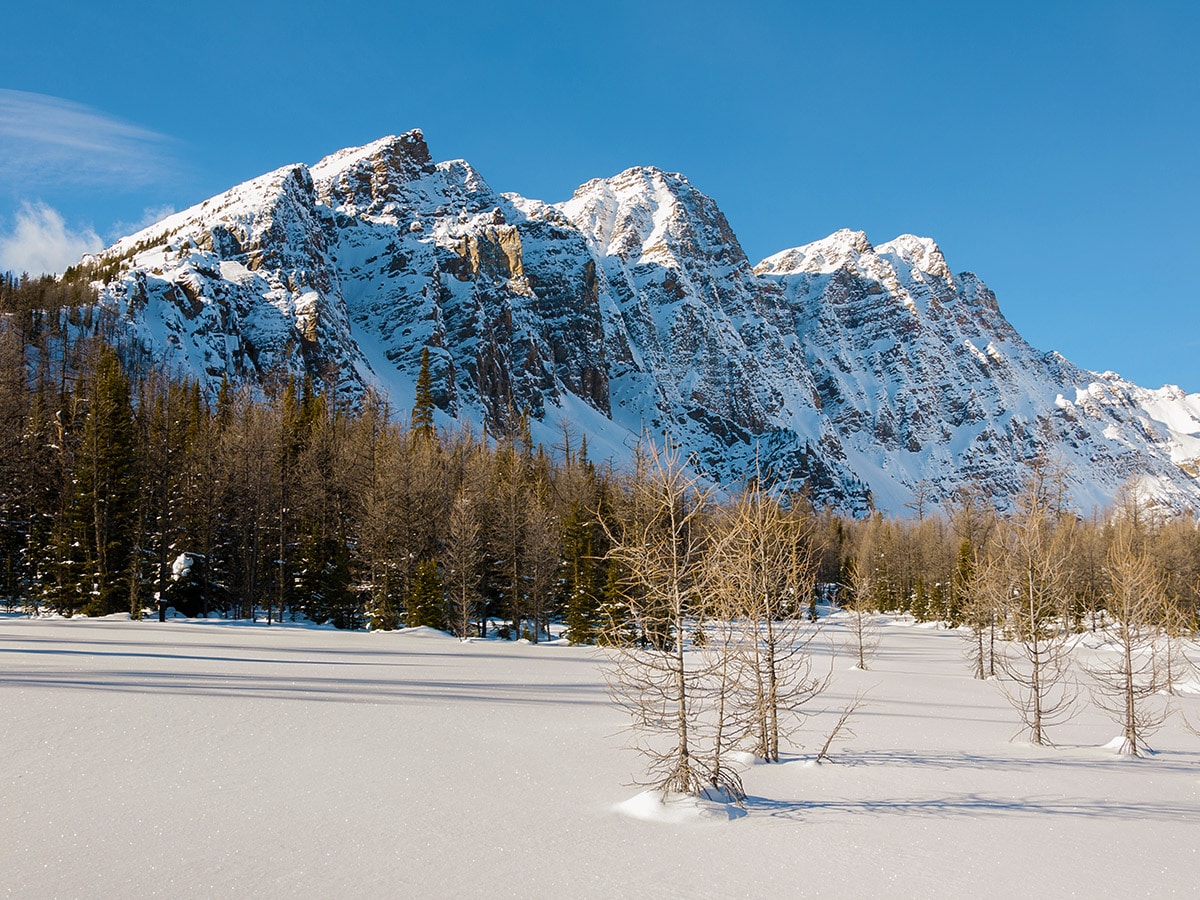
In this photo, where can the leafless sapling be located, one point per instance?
(659, 547)
(1128, 683)
(1027, 575)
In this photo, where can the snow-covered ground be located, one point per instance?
(222, 760)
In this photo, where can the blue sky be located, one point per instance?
(1051, 151)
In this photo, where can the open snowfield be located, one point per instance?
(232, 760)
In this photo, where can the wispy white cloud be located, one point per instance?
(41, 242)
(150, 215)
(47, 141)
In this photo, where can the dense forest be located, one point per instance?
(120, 485)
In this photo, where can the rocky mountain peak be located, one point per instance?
(365, 179)
(829, 254)
(622, 213)
(647, 216)
(919, 253)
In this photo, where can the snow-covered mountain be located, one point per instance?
(860, 371)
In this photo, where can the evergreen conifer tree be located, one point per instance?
(310, 576)
(426, 598)
(582, 587)
(106, 487)
(422, 411)
(616, 624)
(960, 584)
(383, 616)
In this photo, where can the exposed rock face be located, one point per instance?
(925, 378)
(857, 371)
(242, 284)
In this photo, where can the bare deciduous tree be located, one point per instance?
(463, 561)
(383, 559)
(762, 568)
(541, 558)
(841, 730)
(1027, 577)
(508, 496)
(861, 606)
(1175, 663)
(660, 550)
(979, 612)
(463, 551)
(1127, 683)
(922, 498)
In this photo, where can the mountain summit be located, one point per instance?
(860, 373)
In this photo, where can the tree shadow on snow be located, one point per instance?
(332, 689)
(398, 654)
(976, 806)
(1065, 757)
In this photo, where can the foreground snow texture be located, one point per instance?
(212, 760)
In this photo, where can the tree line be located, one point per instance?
(119, 482)
(120, 487)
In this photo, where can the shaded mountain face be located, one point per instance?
(858, 373)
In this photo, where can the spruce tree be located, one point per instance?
(224, 403)
(422, 411)
(427, 598)
(293, 429)
(383, 616)
(14, 513)
(617, 627)
(960, 584)
(106, 487)
(319, 580)
(582, 588)
(166, 417)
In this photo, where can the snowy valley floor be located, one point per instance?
(232, 760)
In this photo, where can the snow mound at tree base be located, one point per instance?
(1121, 746)
(681, 809)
